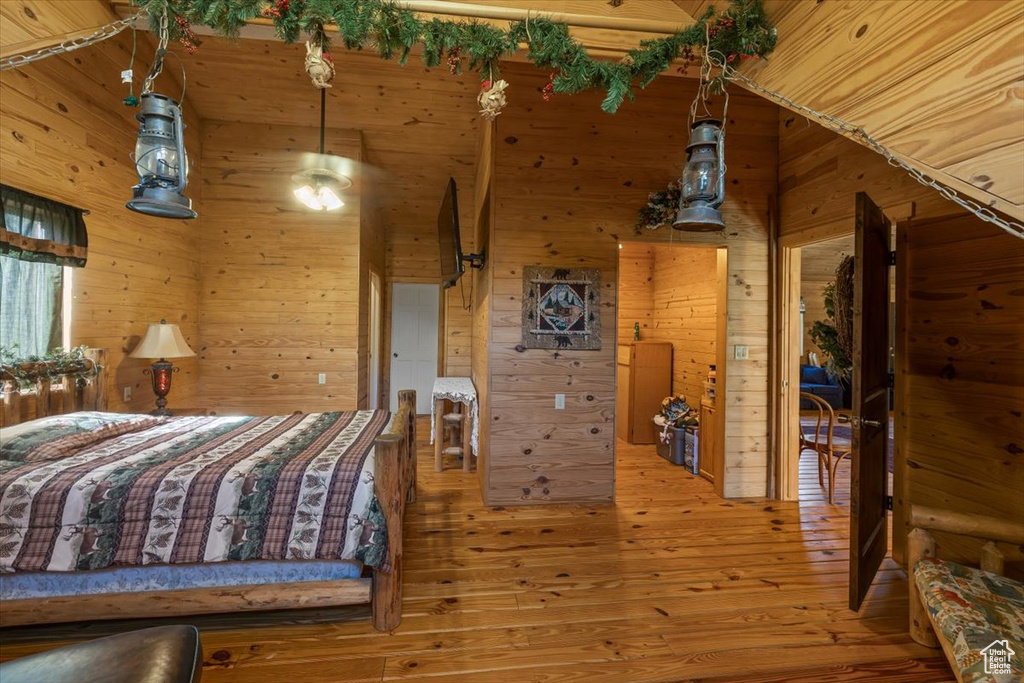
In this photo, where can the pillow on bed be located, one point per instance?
(61, 435)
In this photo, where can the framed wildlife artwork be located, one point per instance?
(561, 308)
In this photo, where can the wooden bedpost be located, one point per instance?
(407, 397)
(392, 480)
(920, 544)
(95, 393)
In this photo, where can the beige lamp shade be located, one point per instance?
(162, 341)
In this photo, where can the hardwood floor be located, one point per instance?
(670, 584)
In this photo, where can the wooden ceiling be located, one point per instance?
(939, 83)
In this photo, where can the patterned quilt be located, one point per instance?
(190, 489)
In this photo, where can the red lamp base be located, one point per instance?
(161, 372)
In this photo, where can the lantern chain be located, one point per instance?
(846, 128)
(99, 35)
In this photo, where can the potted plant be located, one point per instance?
(835, 336)
(677, 442)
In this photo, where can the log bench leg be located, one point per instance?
(920, 544)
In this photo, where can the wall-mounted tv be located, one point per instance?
(452, 258)
(448, 236)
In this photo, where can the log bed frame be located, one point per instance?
(394, 485)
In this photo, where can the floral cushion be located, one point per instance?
(981, 616)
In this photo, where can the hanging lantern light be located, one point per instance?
(320, 186)
(160, 159)
(702, 187)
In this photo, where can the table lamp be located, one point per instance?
(162, 341)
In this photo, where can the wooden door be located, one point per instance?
(870, 473)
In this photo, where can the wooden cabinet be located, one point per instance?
(708, 457)
(644, 379)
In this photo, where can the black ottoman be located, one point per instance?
(165, 654)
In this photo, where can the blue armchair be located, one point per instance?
(817, 381)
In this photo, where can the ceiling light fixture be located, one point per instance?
(320, 188)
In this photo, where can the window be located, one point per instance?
(34, 311)
(40, 240)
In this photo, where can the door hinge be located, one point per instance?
(892, 258)
(888, 502)
(892, 380)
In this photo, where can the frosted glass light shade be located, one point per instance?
(162, 340)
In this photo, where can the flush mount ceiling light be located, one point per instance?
(319, 187)
(160, 159)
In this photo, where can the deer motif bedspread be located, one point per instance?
(78, 496)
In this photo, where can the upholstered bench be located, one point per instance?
(975, 615)
(165, 654)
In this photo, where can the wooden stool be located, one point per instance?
(457, 424)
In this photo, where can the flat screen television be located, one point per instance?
(452, 266)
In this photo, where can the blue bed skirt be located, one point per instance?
(28, 585)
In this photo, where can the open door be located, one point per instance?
(869, 481)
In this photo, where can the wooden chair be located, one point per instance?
(829, 456)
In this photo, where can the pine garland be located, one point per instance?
(742, 31)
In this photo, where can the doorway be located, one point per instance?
(414, 331)
(671, 331)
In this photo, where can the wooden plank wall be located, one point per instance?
(963, 373)
(686, 313)
(569, 180)
(818, 263)
(65, 134)
(280, 284)
(636, 290)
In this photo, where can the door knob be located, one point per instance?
(856, 421)
(395, 355)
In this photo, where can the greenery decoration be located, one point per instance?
(661, 208)
(742, 31)
(58, 363)
(835, 338)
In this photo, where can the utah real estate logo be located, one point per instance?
(997, 657)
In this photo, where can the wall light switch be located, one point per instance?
(127, 394)
(559, 401)
(741, 352)
(321, 378)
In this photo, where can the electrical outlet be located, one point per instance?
(741, 352)
(127, 394)
(559, 401)
(321, 378)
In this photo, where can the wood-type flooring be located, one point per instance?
(669, 584)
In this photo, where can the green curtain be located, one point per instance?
(30, 306)
(34, 228)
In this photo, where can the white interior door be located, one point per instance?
(414, 325)
(375, 330)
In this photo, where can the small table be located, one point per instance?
(457, 390)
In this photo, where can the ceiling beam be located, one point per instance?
(608, 37)
(27, 26)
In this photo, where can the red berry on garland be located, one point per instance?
(485, 85)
